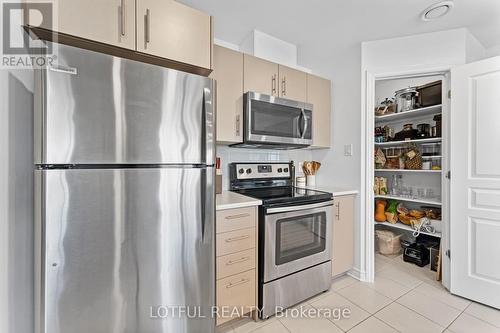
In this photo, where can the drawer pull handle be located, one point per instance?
(230, 285)
(234, 239)
(238, 216)
(232, 262)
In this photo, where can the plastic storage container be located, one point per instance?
(388, 242)
(431, 149)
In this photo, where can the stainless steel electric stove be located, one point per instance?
(295, 234)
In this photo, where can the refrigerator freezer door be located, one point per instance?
(94, 108)
(126, 250)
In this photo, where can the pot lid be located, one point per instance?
(409, 90)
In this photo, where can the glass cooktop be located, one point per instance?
(284, 194)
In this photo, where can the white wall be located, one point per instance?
(338, 170)
(436, 51)
(492, 51)
(474, 50)
(409, 53)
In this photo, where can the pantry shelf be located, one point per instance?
(422, 201)
(434, 109)
(402, 226)
(394, 143)
(408, 170)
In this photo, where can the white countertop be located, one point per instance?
(231, 200)
(336, 191)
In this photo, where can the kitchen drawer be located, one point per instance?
(235, 219)
(235, 263)
(235, 241)
(236, 291)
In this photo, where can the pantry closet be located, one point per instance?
(410, 191)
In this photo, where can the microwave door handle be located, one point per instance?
(305, 123)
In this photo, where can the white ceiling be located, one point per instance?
(323, 29)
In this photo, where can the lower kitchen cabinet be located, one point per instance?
(236, 262)
(343, 234)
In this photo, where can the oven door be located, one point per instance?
(296, 237)
(273, 120)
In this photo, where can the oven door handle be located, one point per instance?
(302, 207)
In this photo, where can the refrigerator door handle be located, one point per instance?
(207, 201)
(204, 185)
(208, 123)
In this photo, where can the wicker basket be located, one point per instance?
(413, 158)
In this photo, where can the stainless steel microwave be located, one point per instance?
(272, 122)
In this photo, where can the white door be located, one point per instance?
(475, 181)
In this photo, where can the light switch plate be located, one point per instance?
(348, 150)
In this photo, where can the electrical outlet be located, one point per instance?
(348, 150)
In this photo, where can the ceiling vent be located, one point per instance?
(437, 10)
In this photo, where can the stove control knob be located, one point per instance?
(249, 171)
(280, 170)
(286, 170)
(240, 171)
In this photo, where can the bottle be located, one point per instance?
(292, 172)
(395, 184)
(401, 186)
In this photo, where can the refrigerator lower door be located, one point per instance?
(125, 250)
(93, 108)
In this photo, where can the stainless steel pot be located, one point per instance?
(406, 99)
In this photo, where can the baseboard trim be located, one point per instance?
(357, 274)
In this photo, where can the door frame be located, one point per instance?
(367, 227)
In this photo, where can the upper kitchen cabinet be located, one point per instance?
(260, 76)
(228, 71)
(160, 32)
(319, 95)
(111, 22)
(168, 29)
(293, 84)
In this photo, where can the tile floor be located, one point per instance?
(404, 298)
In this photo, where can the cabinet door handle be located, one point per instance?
(237, 125)
(273, 84)
(122, 22)
(235, 239)
(238, 216)
(230, 285)
(338, 211)
(232, 262)
(283, 86)
(147, 27)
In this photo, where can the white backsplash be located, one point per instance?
(230, 155)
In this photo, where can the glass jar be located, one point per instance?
(431, 149)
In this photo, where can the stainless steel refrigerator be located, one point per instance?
(124, 197)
